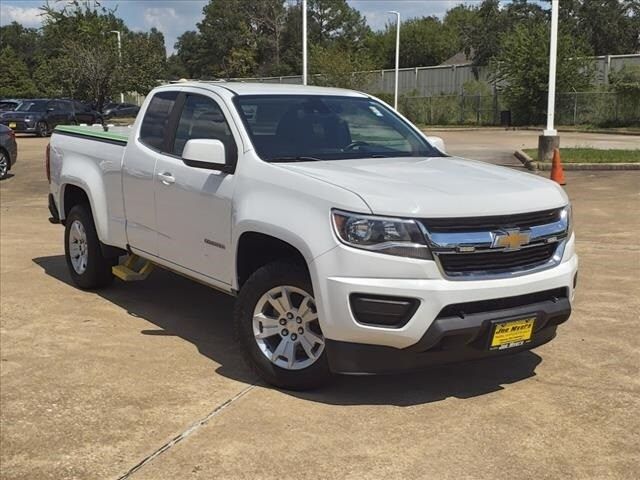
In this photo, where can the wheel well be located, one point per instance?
(73, 196)
(257, 249)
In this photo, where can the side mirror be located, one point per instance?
(204, 153)
(437, 142)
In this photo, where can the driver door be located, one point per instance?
(193, 205)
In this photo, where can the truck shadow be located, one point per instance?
(202, 316)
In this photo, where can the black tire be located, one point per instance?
(98, 270)
(42, 129)
(5, 163)
(270, 276)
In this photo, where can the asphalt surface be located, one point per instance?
(143, 380)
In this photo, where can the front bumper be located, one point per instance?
(21, 126)
(449, 340)
(364, 348)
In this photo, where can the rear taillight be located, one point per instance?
(47, 162)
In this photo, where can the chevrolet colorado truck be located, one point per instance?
(352, 242)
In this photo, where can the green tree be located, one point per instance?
(190, 55)
(25, 42)
(82, 58)
(611, 27)
(522, 69)
(14, 76)
(335, 67)
(229, 43)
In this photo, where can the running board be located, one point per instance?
(128, 272)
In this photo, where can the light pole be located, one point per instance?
(118, 34)
(549, 139)
(304, 42)
(395, 95)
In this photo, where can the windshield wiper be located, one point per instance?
(300, 158)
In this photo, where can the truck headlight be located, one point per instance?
(392, 236)
(567, 216)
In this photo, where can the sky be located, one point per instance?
(174, 17)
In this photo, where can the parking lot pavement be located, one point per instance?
(497, 146)
(143, 380)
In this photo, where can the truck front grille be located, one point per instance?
(455, 264)
(470, 224)
(466, 248)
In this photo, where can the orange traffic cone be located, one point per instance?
(557, 173)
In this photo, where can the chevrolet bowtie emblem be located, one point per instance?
(510, 239)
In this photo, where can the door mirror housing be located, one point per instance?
(437, 142)
(205, 153)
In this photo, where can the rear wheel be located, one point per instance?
(88, 267)
(277, 324)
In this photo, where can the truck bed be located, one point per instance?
(118, 135)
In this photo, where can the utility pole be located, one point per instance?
(395, 95)
(118, 34)
(549, 139)
(304, 42)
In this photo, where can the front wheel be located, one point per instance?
(277, 325)
(88, 267)
(4, 164)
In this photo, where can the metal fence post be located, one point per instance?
(575, 107)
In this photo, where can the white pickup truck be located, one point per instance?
(353, 243)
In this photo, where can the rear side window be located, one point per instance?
(202, 118)
(156, 119)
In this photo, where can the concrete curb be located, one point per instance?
(544, 166)
(526, 160)
(530, 164)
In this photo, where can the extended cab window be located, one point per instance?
(156, 118)
(202, 118)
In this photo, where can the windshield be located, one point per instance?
(318, 127)
(33, 106)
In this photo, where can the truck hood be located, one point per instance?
(437, 186)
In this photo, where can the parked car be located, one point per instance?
(9, 104)
(352, 242)
(86, 114)
(120, 110)
(8, 150)
(41, 116)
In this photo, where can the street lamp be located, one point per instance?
(118, 34)
(304, 42)
(549, 139)
(395, 95)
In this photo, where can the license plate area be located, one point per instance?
(12, 125)
(511, 333)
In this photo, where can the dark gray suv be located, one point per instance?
(8, 150)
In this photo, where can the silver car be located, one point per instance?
(8, 150)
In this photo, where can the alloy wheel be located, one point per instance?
(286, 328)
(4, 164)
(78, 248)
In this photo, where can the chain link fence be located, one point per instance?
(576, 108)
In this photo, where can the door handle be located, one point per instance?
(166, 178)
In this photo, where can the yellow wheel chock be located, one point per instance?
(128, 272)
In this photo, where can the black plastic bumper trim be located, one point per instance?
(448, 340)
(382, 310)
(55, 216)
